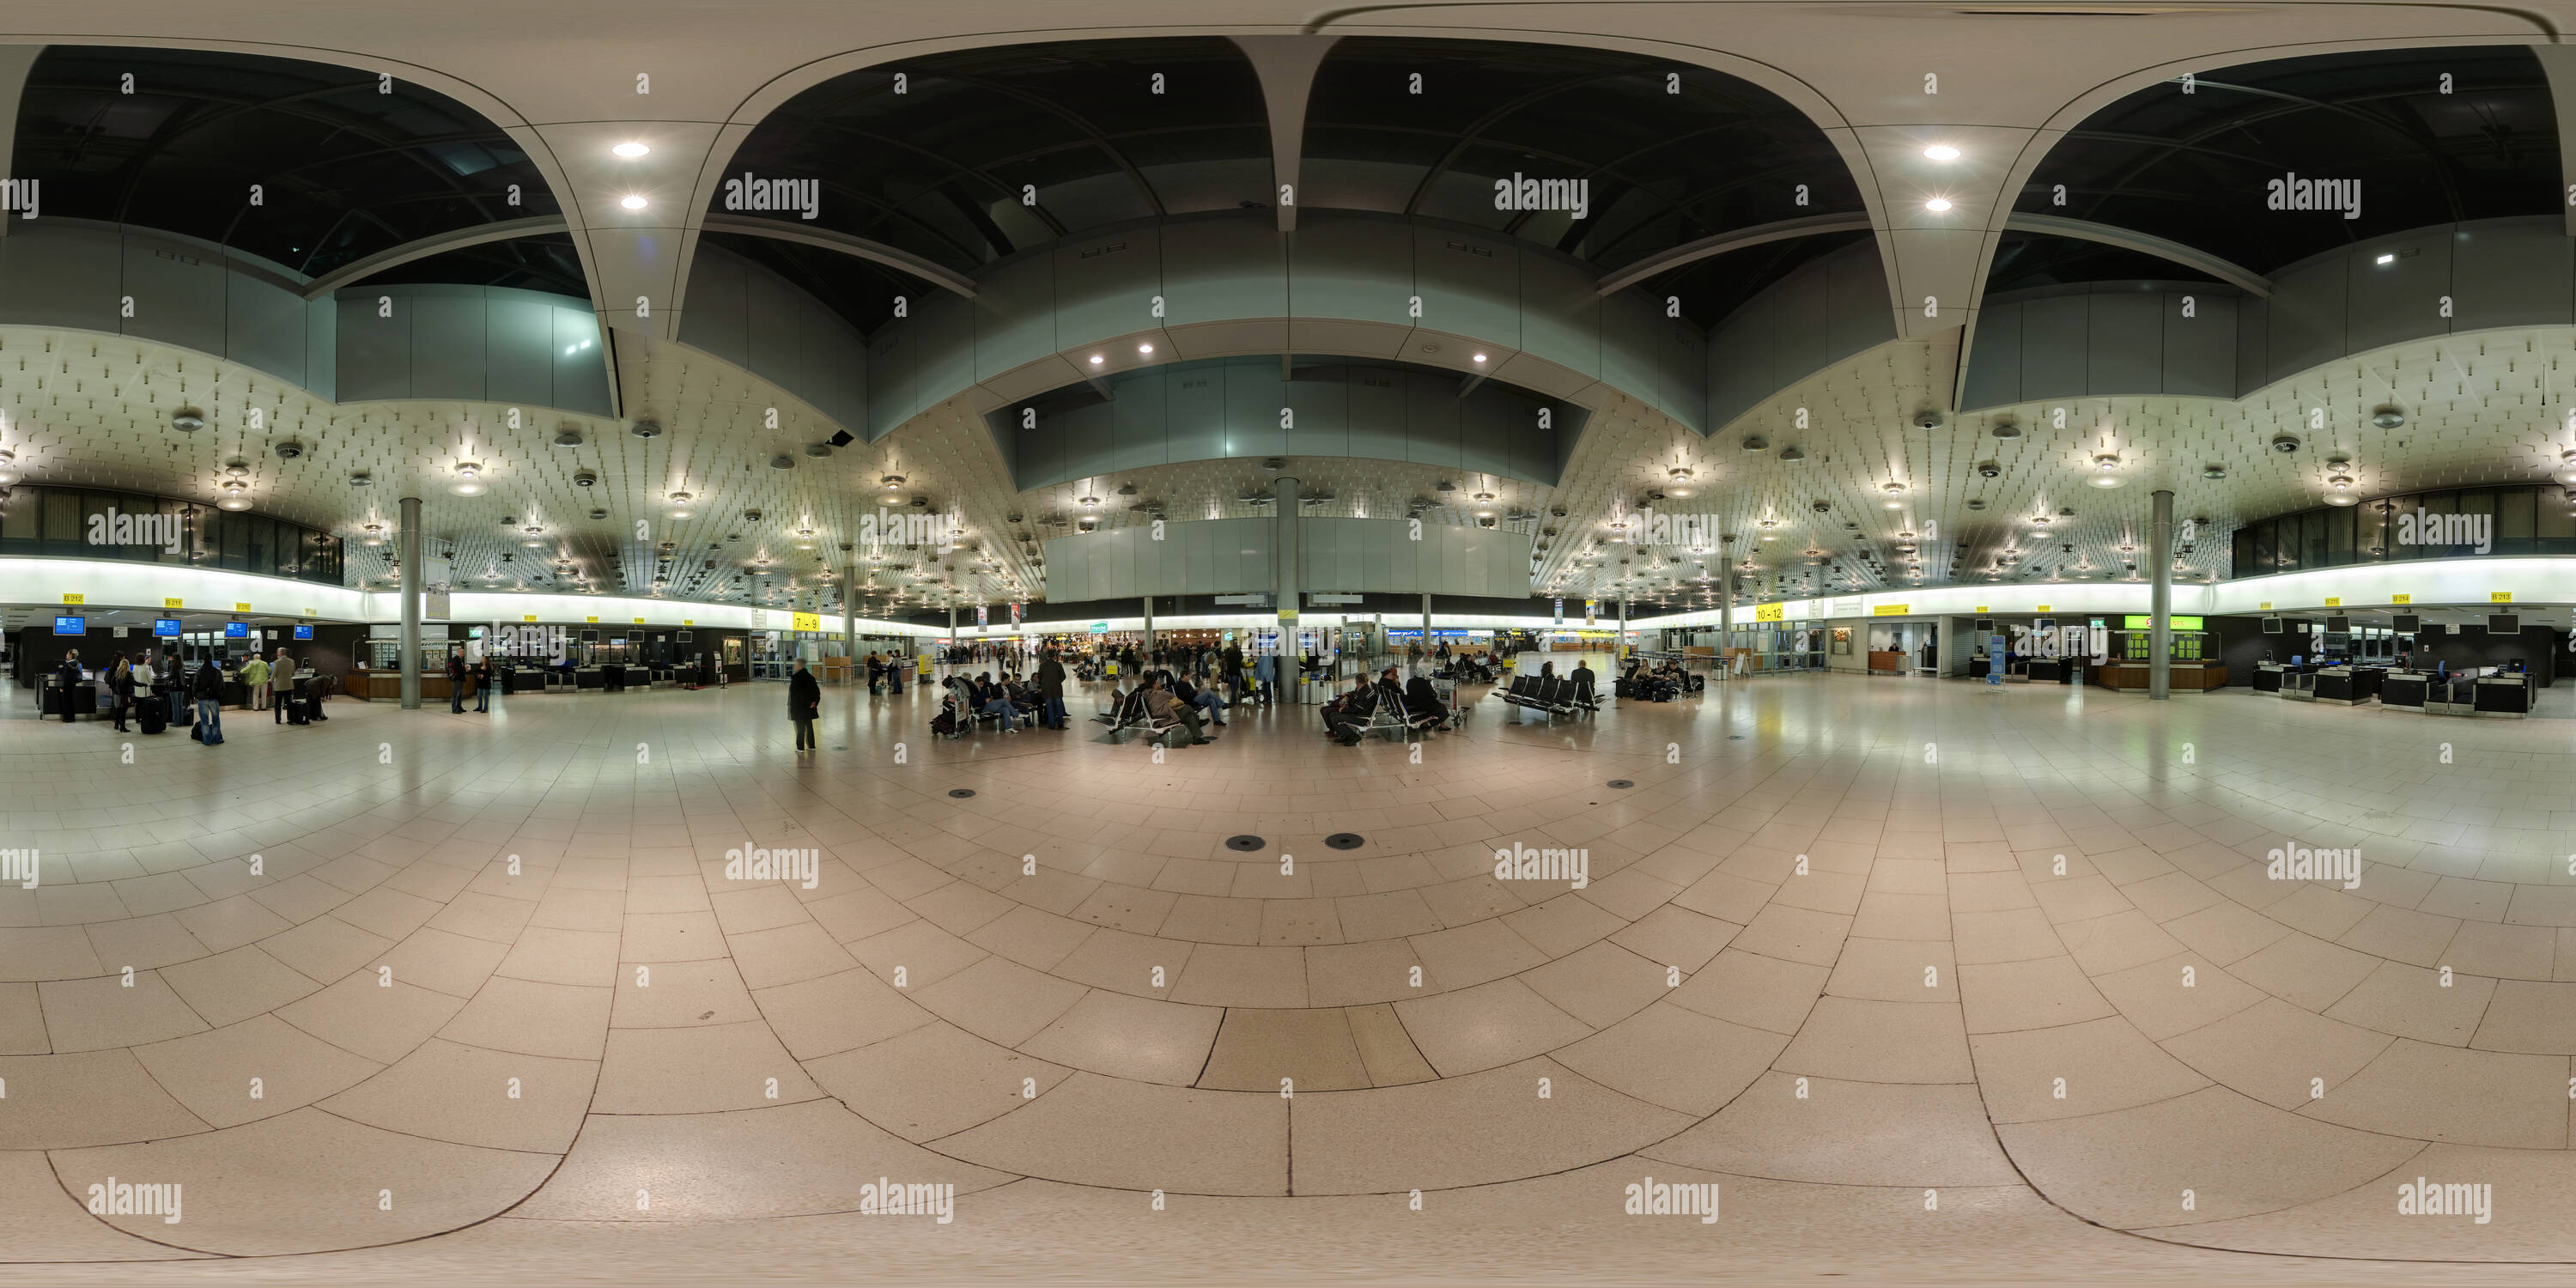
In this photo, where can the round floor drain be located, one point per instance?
(1247, 844)
(1345, 840)
(1621, 782)
(961, 793)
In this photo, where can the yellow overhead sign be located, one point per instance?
(2401, 599)
(71, 598)
(2499, 596)
(1888, 610)
(805, 621)
(170, 603)
(1770, 612)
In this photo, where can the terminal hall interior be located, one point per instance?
(1886, 640)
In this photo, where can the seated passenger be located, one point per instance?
(1346, 716)
(1583, 679)
(1423, 700)
(1164, 706)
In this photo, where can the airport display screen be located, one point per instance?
(2406, 623)
(167, 627)
(304, 632)
(2271, 625)
(2504, 624)
(71, 626)
(236, 630)
(2338, 625)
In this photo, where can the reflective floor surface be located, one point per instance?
(1929, 980)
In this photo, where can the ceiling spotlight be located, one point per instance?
(633, 202)
(1145, 348)
(469, 480)
(2339, 490)
(8, 469)
(2106, 471)
(1479, 357)
(1937, 204)
(233, 498)
(1941, 152)
(630, 150)
(1095, 360)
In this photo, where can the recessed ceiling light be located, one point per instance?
(1095, 360)
(1941, 152)
(636, 202)
(630, 150)
(1937, 204)
(469, 480)
(1144, 348)
(1480, 357)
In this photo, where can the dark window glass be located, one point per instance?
(2339, 536)
(2555, 525)
(2266, 559)
(2513, 524)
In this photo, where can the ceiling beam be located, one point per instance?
(2243, 279)
(1286, 67)
(1739, 239)
(457, 239)
(875, 252)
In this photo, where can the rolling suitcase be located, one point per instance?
(153, 713)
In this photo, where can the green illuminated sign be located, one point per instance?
(2142, 622)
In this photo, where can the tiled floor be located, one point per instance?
(1935, 981)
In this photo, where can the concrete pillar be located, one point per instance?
(411, 589)
(1149, 629)
(850, 615)
(952, 632)
(2160, 548)
(1283, 537)
(1428, 643)
(1619, 646)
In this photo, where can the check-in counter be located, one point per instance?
(2267, 677)
(2350, 685)
(2501, 695)
(1979, 668)
(589, 680)
(2047, 670)
(2298, 685)
(523, 679)
(2405, 690)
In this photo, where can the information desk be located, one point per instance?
(523, 679)
(2183, 677)
(2267, 677)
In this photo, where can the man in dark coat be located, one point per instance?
(804, 702)
(1051, 684)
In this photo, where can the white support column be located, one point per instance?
(411, 577)
(2160, 544)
